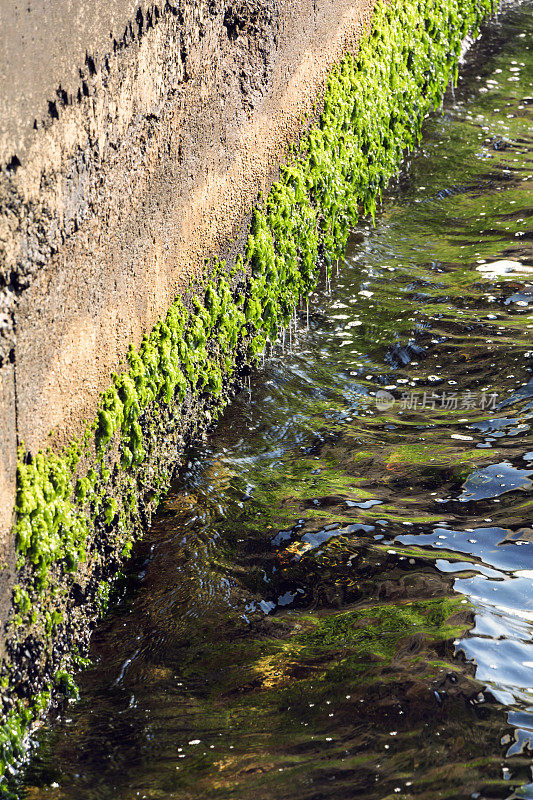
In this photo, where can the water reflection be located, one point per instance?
(337, 598)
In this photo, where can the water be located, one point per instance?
(336, 599)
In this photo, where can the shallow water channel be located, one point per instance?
(336, 599)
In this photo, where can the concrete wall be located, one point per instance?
(133, 142)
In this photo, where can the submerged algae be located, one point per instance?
(373, 633)
(374, 106)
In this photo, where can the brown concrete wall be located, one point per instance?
(43, 47)
(8, 451)
(165, 122)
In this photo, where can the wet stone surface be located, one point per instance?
(337, 597)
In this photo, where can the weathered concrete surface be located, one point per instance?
(43, 48)
(8, 454)
(133, 142)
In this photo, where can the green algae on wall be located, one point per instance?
(374, 107)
